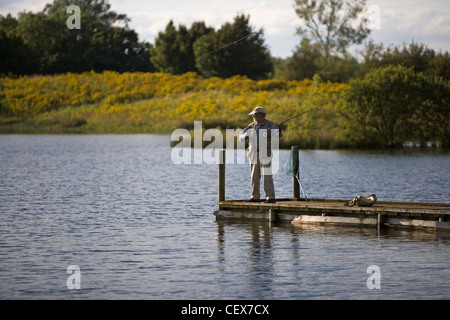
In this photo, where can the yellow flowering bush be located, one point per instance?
(159, 102)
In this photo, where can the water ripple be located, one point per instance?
(141, 227)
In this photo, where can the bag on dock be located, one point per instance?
(363, 201)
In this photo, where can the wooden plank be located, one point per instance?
(402, 214)
(336, 220)
(407, 207)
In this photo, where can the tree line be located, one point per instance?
(41, 43)
(308, 60)
(234, 49)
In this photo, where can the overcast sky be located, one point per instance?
(394, 21)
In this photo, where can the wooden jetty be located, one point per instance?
(382, 214)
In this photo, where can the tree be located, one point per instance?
(371, 57)
(339, 69)
(332, 24)
(440, 66)
(15, 55)
(415, 55)
(164, 53)
(235, 49)
(394, 104)
(305, 61)
(173, 50)
(308, 60)
(104, 41)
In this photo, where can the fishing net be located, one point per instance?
(291, 170)
(289, 165)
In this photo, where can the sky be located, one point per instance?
(394, 22)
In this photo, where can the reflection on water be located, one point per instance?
(141, 227)
(325, 261)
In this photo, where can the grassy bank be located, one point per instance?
(111, 102)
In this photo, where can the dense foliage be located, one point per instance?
(160, 102)
(173, 51)
(390, 106)
(234, 49)
(393, 105)
(41, 43)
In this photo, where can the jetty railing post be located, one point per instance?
(222, 175)
(381, 223)
(295, 165)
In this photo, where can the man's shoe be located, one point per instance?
(270, 201)
(253, 200)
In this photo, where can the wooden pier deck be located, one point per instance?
(381, 215)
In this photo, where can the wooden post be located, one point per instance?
(222, 175)
(272, 215)
(381, 223)
(295, 168)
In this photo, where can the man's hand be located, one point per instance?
(243, 137)
(279, 125)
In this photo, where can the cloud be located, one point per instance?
(153, 22)
(275, 21)
(16, 6)
(420, 24)
(426, 21)
(278, 21)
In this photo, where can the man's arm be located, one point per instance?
(278, 126)
(244, 134)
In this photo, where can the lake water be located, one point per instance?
(139, 226)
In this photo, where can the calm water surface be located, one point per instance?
(141, 227)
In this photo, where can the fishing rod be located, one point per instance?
(313, 108)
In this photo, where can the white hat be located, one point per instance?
(258, 110)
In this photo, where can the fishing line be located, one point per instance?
(410, 4)
(234, 42)
(289, 170)
(316, 107)
(215, 50)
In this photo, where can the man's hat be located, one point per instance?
(258, 110)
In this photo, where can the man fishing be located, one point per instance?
(259, 135)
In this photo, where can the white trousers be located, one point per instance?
(258, 170)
